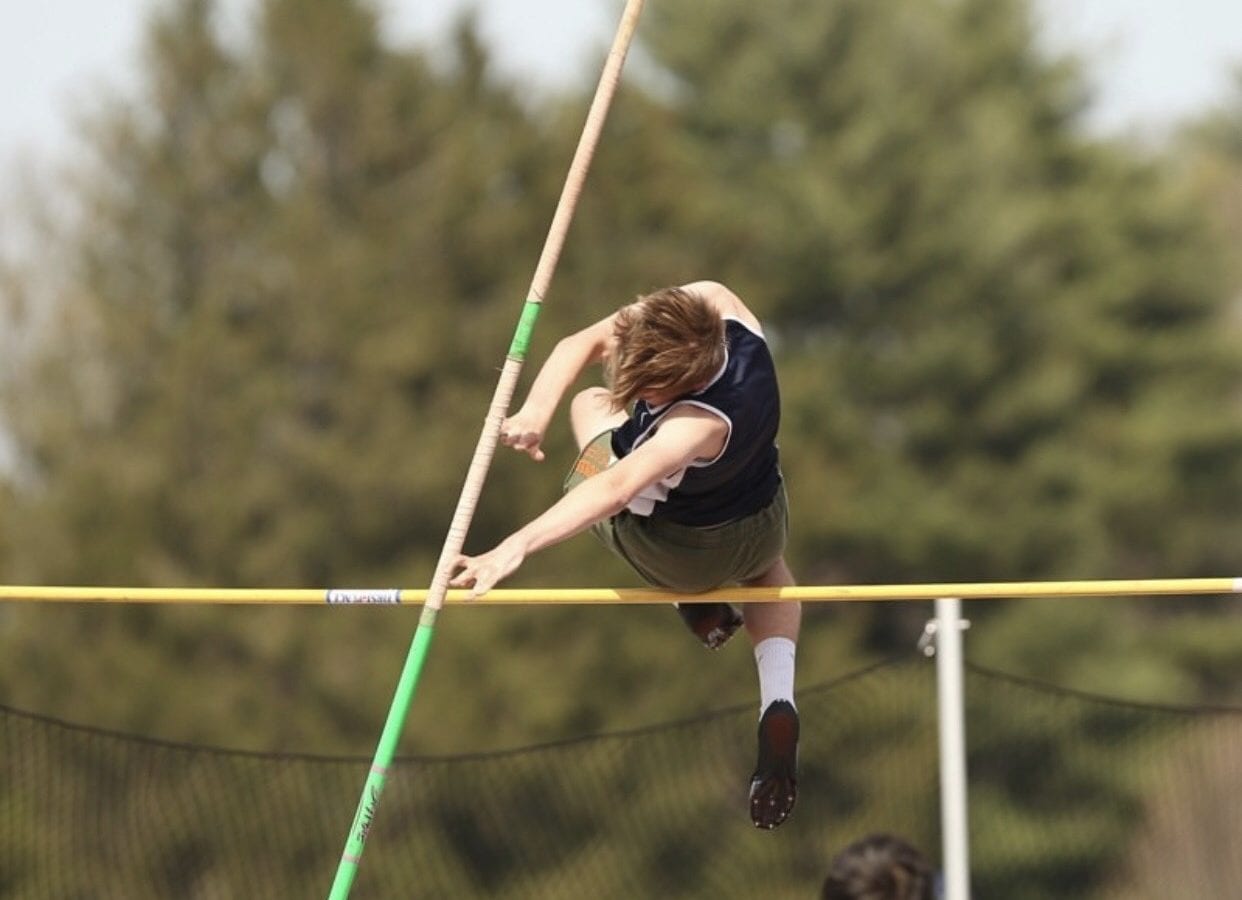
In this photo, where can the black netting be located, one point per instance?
(659, 812)
(1077, 795)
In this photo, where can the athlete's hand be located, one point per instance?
(481, 573)
(524, 431)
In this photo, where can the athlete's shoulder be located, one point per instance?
(713, 292)
(725, 302)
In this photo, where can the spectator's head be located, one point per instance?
(879, 867)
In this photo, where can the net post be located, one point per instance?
(952, 725)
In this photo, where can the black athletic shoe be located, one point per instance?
(712, 623)
(774, 786)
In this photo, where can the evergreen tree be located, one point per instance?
(294, 264)
(1211, 151)
(1001, 340)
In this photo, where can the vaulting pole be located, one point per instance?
(477, 473)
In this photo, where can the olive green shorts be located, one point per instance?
(687, 558)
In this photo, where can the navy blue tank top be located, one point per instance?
(744, 478)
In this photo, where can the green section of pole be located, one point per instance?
(525, 328)
(378, 776)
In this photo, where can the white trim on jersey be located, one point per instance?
(643, 504)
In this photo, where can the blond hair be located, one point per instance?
(670, 342)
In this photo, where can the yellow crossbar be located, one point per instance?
(995, 590)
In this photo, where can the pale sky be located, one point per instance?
(1154, 60)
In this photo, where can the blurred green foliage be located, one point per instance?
(259, 351)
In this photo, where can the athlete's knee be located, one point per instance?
(590, 400)
(591, 413)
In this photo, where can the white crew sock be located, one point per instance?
(774, 658)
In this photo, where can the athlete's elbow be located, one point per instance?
(617, 495)
(616, 503)
(587, 344)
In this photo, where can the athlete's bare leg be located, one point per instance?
(781, 619)
(773, 629)
(591, 414)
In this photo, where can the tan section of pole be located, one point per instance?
(994, 590)
(506, 385)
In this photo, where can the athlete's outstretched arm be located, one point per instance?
(680, 440)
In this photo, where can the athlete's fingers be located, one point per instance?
(466, 577)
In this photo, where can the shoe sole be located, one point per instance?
(774, 786)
